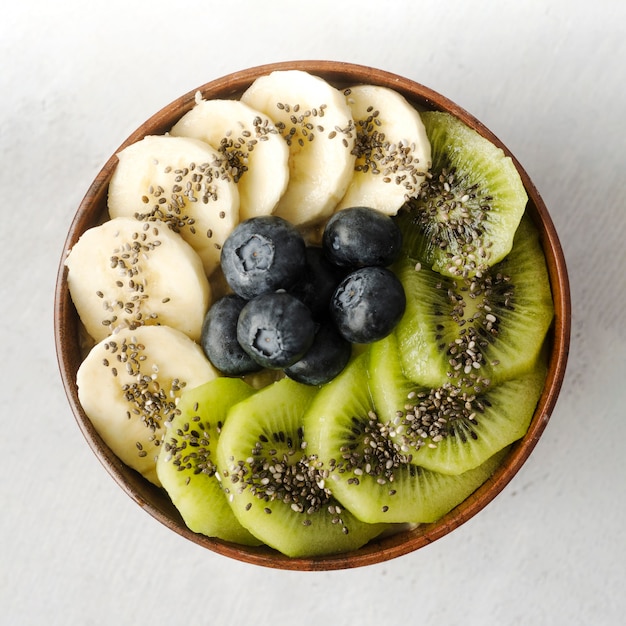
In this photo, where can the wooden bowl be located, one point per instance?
(156, 501)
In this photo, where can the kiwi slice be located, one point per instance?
(274, 489)
(186, 465)
(368, 473)
(450, 429)
(488, 328)
(466, 213)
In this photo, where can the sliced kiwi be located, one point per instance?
(453, 428)
(274, 489)
(186, 465)
(489, 327)
(367, 471)
(466, 213)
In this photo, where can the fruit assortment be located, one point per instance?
(317, 314)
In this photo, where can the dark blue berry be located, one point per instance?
(367, 305)
(360, 237)
(262, 254)
(275, 329)
(326, 358)
(219, 338)
(317, 283)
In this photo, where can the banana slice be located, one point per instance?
(126, 274)
(256, 153)
(129, 385)
(393, 150)
(183, 182)
(317, 124)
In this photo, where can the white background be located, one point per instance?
(547, 77)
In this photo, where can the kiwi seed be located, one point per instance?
(431, 415)
(189, 449)
(454, 220)
(269, 477)
(369, 451)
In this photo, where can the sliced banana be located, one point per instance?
(257, 155)
(317, 124)
(183, 182)
(393, 150)
(126, 274)
(129, 385)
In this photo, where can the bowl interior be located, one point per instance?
(154, 500)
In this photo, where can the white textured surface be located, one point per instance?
(546, 76)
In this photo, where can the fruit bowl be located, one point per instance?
(69, 337)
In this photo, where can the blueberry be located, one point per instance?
(317, 283)
(262, 254)
(367, 305)
(275, 329)
(326, 358)
(360, 237)
(219, 338)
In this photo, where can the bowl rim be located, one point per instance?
(379, 550)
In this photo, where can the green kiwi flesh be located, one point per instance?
(186, 465)
(467, 211)
(451, 429)
(274, 489)
(487, 328)
(367, 472)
